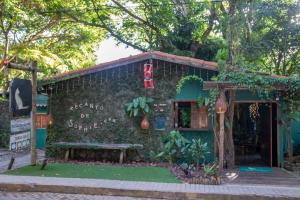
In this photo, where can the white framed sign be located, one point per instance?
(20, 125)
(20, 136)
(19, 141)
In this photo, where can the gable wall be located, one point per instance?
(109, 91)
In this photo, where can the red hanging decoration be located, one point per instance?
(5, 62)
(148, 78)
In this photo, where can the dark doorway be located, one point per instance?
(255, 134)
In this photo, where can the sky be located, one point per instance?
(109, 50)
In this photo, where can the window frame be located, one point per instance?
(175, 117)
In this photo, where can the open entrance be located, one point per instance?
(255, 134)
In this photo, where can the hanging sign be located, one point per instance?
(148, 76)
(20, 134)
(20, 97)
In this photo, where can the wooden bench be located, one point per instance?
(70, 146)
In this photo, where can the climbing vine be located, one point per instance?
(185, 79)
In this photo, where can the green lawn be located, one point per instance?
(151, 174)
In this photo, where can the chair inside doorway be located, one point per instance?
(253, 127)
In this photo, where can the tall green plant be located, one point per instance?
(174, 143)
(195, 151)
(139, 104)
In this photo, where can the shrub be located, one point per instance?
(174, 144)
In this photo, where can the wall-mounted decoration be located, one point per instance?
(160, 107)
(86, 111)
(43, 120)
(160, 123)
(148, 76)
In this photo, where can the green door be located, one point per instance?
(41, 138)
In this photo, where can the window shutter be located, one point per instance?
(199, 117)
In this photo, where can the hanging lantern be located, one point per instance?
(145, 123)
(50, 120)
(221, 106)
(148, 77)
(254, 111)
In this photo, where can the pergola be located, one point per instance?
(221, 106)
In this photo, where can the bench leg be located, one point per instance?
(122, 156)
(72, 154)
(67, 155)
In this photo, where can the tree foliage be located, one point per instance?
(54, 41)
(258, 34)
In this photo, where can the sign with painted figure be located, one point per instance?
(20, 97)
(20, 134)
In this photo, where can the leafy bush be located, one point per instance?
(178, 149)
(210, 170)
(174, 143)
(138, 104)
(195, 151)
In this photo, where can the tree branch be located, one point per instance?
(211, 20)
(108, 29)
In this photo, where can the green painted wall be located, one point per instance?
(192, 90)
(4, 123)
(296, 135)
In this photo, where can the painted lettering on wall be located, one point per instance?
(86, 119)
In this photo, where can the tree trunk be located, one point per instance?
(229, 144)
(6, 70)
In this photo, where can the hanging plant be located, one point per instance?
(203, 101)
(140, 105)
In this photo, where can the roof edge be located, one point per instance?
(193, 62)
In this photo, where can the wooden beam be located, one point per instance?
(227, 85)
(29, 68)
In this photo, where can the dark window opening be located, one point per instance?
(188, 115)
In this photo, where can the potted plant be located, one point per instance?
(138, 105)
(203, 102)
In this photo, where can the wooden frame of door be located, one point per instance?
(277, 127)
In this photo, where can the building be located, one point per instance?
(88, 105)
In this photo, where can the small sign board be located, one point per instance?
(20, 134)
(20, 97)
(19, 141)
(160, 123)
(20, 125)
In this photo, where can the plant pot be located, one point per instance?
(145, 123)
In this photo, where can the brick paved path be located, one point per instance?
(21, 159)
(55, 196)
(71, 185)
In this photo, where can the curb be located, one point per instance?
(8, 187)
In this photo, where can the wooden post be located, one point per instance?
(11, 162)
(221, 145)
(33, 113)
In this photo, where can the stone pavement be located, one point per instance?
(56, 196)
(21, 158)
(146, 189)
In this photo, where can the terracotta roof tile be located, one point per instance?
(136, 58)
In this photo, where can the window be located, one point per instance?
(189, 116)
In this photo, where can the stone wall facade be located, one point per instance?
(4, 123)
(91, 108)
